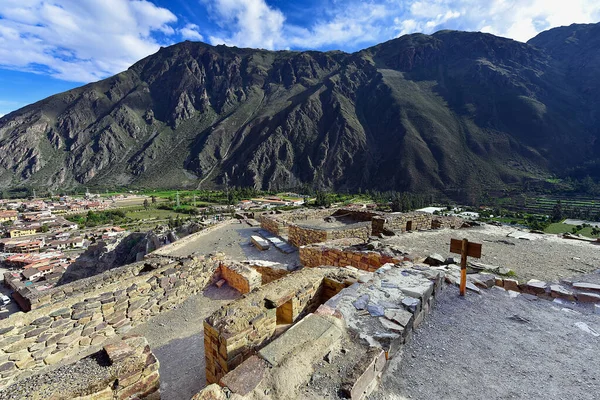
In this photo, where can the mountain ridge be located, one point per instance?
(420, 112)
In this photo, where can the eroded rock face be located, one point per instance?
(102, 257)
(420, 112)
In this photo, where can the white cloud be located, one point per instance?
(191, 32)
(79, 40)
(355, 23)
(247, 23)
(87, 40)
(517, 19)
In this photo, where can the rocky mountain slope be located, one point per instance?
(421, 112)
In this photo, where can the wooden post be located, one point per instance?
(465, 249)
(463, 267)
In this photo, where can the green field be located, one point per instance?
(559, 227)
(153, 213)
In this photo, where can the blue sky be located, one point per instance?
(49, 46)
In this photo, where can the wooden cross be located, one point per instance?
(464, 248)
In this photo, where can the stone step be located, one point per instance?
(279, 243)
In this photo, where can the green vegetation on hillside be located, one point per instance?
(95, 218)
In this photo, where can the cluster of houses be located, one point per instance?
(39, 261)
(37, 242)
(41, 270)
(269, 202)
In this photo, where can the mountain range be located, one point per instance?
(422, 113)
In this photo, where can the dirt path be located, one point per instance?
(548, 258)
(495, 347)
(177, 339)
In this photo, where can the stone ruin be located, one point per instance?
(335, 323)
(322, 225)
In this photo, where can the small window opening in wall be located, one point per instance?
(285, 314)
(409, 226)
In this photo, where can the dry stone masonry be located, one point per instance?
(301, 229)
(79, 324)
(124, 369)
(341, 253)
(232, 333)
(369, 315)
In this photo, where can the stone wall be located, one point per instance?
(270, 274)
(341, 256)
(233, 333)
(122, 370)
(270, 223)
(446, 222)
(412, 221)
(95, 311)
(287, 224)
(363, 215)
(301, 235)
(278, 224)
(241, 277)
(169, 249)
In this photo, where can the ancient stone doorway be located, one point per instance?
(409, 226)
(285, 313)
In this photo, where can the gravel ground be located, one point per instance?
(176, 338)
(234, 240)
(72, 378)
(549, 258)
(491, 346)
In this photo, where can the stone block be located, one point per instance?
(400, 316)
(305, 333)
(588, 297)
(362, 379)
(43, 321)
(56, 357)
(560, 292)
(536, 287)
(392, 326)
(588, 287)
(246, 377)
(411, 304)
(511, 284)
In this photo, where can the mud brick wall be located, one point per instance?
(315, 256)
(233, 333)
(76, 326)
(241, 277)
(122, 370)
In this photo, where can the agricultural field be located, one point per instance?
(559, 227)
(586, 208)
